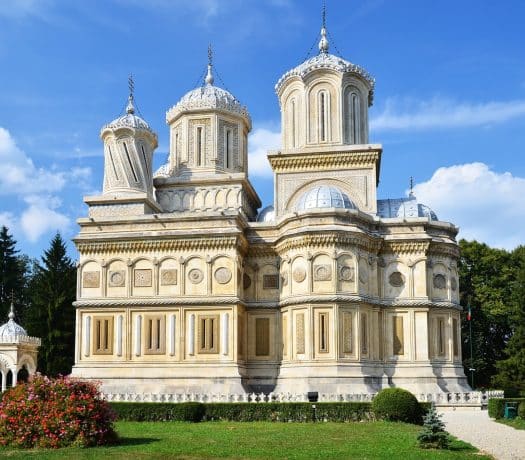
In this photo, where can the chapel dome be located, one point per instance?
(208, 97)
(266, 214)
(324, 196)
(129, 119)
(326, 60)
(11, 328)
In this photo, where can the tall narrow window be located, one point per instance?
(323, 332)
(113, 163)
(129, 162)
(323, 106)
(155, 335)
(398, 335)
(347, 333)
(364, 334)
(299, 333)
(285, 336)
(292, 123)
(103, 336)
(200, 146)
(355, 118)
(209, 334)
(441, 337)
(228, 149)
(176, 146)
(455, 344)
(262, 336)
(145, 159)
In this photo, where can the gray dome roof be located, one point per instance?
(129, 120)
(11, 329)
(324, 196)
(266, 214)
(425, 211)
(403, 208)
(208, 97)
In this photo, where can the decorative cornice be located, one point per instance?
(328, 239)
(184, 244)
(444, 249)
(156, 301)
(319, 161)
(405, 247)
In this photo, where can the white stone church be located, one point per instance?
(184, 286)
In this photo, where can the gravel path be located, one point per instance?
(475, 427)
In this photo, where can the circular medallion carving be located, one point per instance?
(195, 276)
(453, 283)
(116, 278)
(246, 281)
(299, 274)
(440, 282)
(322, 273)
(346, 274)
(223, 275)
(396, 279)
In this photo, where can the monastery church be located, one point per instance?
(184, 285)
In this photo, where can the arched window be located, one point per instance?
(293, 121)
(322, 104)
(353, 117)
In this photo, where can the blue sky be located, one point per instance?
(449, 104)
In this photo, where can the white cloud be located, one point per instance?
(7, 219)
(41, 216)
(400, 114)
(19, 174)
(262, 140)
(487, 206)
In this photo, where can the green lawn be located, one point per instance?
(518, 423)
(237, 440)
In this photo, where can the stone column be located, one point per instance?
(138, 333)
(191, 335)
(15, 377)
(225, 330)
(87, 335)
(173, 324)
(4, 380)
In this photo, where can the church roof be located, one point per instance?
(324, 196)
(404, 207)
(11, 329)
(208, 97)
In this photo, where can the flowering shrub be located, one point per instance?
(55, 413)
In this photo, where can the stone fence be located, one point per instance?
(470, 399)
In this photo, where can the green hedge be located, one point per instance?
(497, 406)
(397, 405)
(246, 412)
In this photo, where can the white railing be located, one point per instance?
(15, 338)
(473, 398)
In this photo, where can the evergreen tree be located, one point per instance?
(13, 271)
(511, 371)
(51, 315)
(433, 434)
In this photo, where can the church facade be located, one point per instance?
(183, 286)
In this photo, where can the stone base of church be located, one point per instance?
(219, 379)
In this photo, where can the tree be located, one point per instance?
(51, 314)
(486, 279)
(511, 371)
(13, 271)
(433, 434)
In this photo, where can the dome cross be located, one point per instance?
(130, 108)
(323, 43)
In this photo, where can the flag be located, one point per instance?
(469, 313)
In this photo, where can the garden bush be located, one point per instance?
(55, 413)
(521, 410)
(497, 406)
(396, 404)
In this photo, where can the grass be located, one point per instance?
(258, 440)
(518, 423)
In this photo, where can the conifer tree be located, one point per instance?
(13, 270)
(433, 434)
(51, 315)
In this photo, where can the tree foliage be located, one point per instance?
(51, 315)
(13, 274)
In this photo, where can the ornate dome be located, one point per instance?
(425, 211)
(208, 97)
(11, 329)
(403, 208)
(267, 214)
(324, 196)
(129, 119)
(327, 61)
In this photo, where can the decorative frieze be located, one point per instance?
(168, 276)
(142, 277)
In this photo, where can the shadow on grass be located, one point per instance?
(460, 446)
(125, 441)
